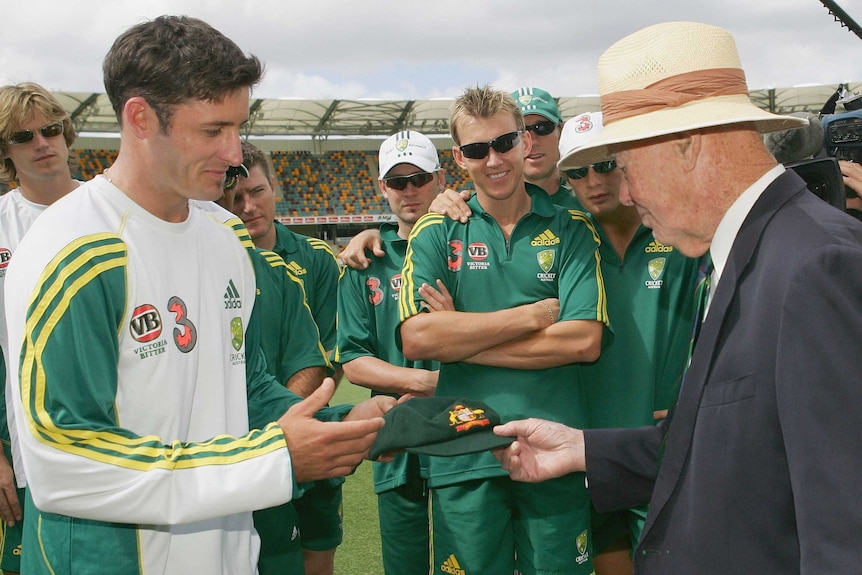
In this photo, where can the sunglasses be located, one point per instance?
(542, 128)
(418, 180)
(599, 167)
(24, 136)
(501, 145)
(232, 175)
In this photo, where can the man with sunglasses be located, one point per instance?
(650, 292)
(525, 284)
(313, 262)
(35, 136)
(410, 178)
(543, 120)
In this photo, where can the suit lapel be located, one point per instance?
(681, 428)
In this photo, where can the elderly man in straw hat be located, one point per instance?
(758, 464)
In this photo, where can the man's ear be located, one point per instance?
(688, 147)
(527, 137)
(139, 117)
(458, 157)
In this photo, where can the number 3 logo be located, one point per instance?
(187, 337)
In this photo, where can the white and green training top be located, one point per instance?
(138, 399)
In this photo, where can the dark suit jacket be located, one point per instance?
(762, 466)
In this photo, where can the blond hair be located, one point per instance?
(17, 103)
(484, 102)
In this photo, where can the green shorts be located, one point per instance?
(404, 529)
(10, 537)
(320, 515)
(498, 525)
(280, 546)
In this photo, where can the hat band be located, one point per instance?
(672, 92)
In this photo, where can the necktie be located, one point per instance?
(701, 297)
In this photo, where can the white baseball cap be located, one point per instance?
(578, 131)
(408, 147)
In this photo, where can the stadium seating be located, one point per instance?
(334, 183)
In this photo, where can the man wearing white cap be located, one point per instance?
(758, 467)
(410, 178)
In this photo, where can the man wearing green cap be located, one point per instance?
(542, 119)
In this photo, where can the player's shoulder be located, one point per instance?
(432, 220)
(319, 244)
(224, 219)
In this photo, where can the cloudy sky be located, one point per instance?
(422, 49)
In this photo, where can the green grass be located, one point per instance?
(359, 554)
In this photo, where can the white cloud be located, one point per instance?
(417, 49)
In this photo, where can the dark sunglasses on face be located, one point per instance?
(501, 145)
(232, 175)
(599, 167)
(418, 180)
(23, 136)
(542, 128)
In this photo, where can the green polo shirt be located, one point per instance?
(551, 253)
(290, 339)
(650, 304)
(367, 319)
(313, 262)
(566, 198)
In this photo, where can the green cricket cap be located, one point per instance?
(537, 101)
(443, 426)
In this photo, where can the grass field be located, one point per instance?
(359, 554)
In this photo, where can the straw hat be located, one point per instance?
(670, 78)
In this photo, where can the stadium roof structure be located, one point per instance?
(324, 119)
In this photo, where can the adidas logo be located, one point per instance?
(231, 297)
(451, 566)
(656, 246)
(546, 238)
(296, 269)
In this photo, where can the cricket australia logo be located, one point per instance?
(582, 544)
(231, 297)
(402, 144)
(237, 333)
(546, 263)
(655, 268)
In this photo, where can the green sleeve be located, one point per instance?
(322, 296)
(356, 326)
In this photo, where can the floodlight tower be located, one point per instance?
(842, 17)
